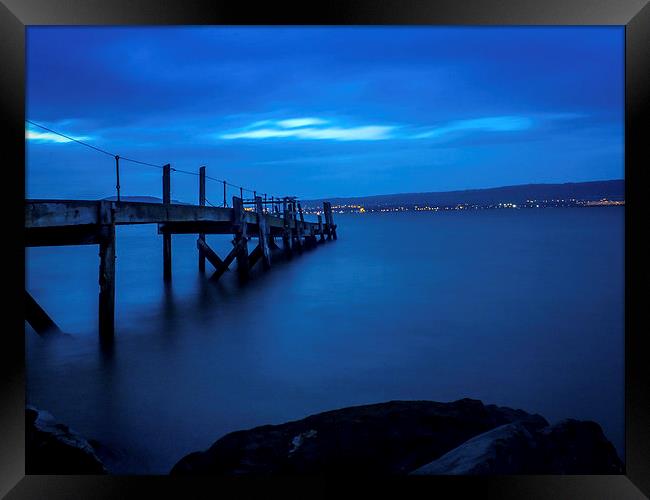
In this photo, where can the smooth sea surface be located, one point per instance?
(522, 308)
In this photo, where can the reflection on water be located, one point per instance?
(519, 308)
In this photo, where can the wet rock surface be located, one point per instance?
(568, 447)
(396, 437)
(54, 448)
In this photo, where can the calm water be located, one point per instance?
(517, 308)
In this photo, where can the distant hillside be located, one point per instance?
(596, 190)
(142, 199)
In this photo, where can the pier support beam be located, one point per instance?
(106, 316)
(226, 262)
(202, 204)
(38, 318)
(210, 255)
(167, 237)
(241, 237)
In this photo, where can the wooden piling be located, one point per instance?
(297, 226)
(106, 316)
(332, 225)
(287, 240)
(202, 204)
(327, 211)
(320, 228)
(167, 237)
(241, 238)
(263, 233)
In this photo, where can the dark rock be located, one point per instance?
(54, 448)
(504, 450)
(577, 447)
(568, 447)
(395, 438)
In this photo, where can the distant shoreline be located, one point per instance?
(573, 194)
(357, 209)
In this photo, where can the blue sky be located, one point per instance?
(327, 111)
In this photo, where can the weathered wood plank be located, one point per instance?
(55, 213)
(48, 213)
(147, 213)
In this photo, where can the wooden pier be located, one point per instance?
(79, 222)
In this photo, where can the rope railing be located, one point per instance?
(119, 158)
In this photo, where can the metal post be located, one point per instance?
(225, 203)
(117, 176)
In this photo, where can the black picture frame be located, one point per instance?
(15, 15)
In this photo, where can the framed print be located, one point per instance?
(395, 244)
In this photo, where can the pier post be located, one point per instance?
(297, 226)
(241, 237)
(106, 316)
(167, 237)
(312, 235)
(329, 220)
(320, 227)
(301, 226)
(263, 233)
(287, 242)
(327, 211)
(202, 203)
(332, 225)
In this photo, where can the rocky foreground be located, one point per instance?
(53, 448)
(411, 437)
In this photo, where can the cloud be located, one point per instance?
(310, 129)
(487, 124)
(300, 122)
(35, 135)
(318, 128)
